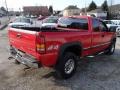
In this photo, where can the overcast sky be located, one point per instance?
(57, 4)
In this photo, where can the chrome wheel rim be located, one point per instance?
(118, 31)
(69, 66)
(112, 49)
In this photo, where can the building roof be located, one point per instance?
(71, 7)
(115, 8)
(97, 11)
(37, 10)
(32, 8)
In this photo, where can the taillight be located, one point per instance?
(40, 46)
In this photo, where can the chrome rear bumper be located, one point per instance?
(24, 58)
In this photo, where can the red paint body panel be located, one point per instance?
(25, 42)
(54, 40)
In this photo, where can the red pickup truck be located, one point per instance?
(61, 47)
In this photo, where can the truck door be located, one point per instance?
(106, 36)
(96, 36)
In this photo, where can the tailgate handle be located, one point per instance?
(18, 35)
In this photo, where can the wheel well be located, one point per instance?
(114, 40)
(76, 49)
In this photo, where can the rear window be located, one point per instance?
(74, 23)
(50, 20)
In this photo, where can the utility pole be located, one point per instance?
(85, 8)
(7, 9)
(111, 2)
(20, 11)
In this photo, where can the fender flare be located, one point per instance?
(65, 46)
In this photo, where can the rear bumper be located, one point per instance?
(24, 58)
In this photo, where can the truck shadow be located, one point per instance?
(91, 70)
(83, 65)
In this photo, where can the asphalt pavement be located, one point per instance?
(98, 73)
(4, 21)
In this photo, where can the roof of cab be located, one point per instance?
(83, 16)
(77, 16)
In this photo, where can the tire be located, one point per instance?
(66, 66)
(17, 62)
(111, 49)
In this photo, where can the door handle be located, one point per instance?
(18, 35)
(103, 35)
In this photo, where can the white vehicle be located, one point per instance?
(50, 22)
(118, 31)
(116, 22)
(112, 24)
(21, 22)
(109, 23)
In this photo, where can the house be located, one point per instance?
(71, 10)
(2, 13)
(115, 11)
(99, 13)
(83, 11)
(36, 10)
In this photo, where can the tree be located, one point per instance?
(3, 9)
(92, 6)
(104, 6)
(51, 9)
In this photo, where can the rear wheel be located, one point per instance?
(17, 62)
(66, 66)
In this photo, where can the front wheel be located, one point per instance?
(118, 31)
(111, 49)
(66, 66)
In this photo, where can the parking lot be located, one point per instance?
(98, 73)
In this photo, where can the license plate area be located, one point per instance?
(20, 53)
(24, 58)
(20, 57)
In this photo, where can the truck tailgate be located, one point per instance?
(23, 40)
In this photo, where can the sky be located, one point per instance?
(57, 4)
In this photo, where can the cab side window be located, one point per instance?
(95, 25)
(73, 23)
(103, 27)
